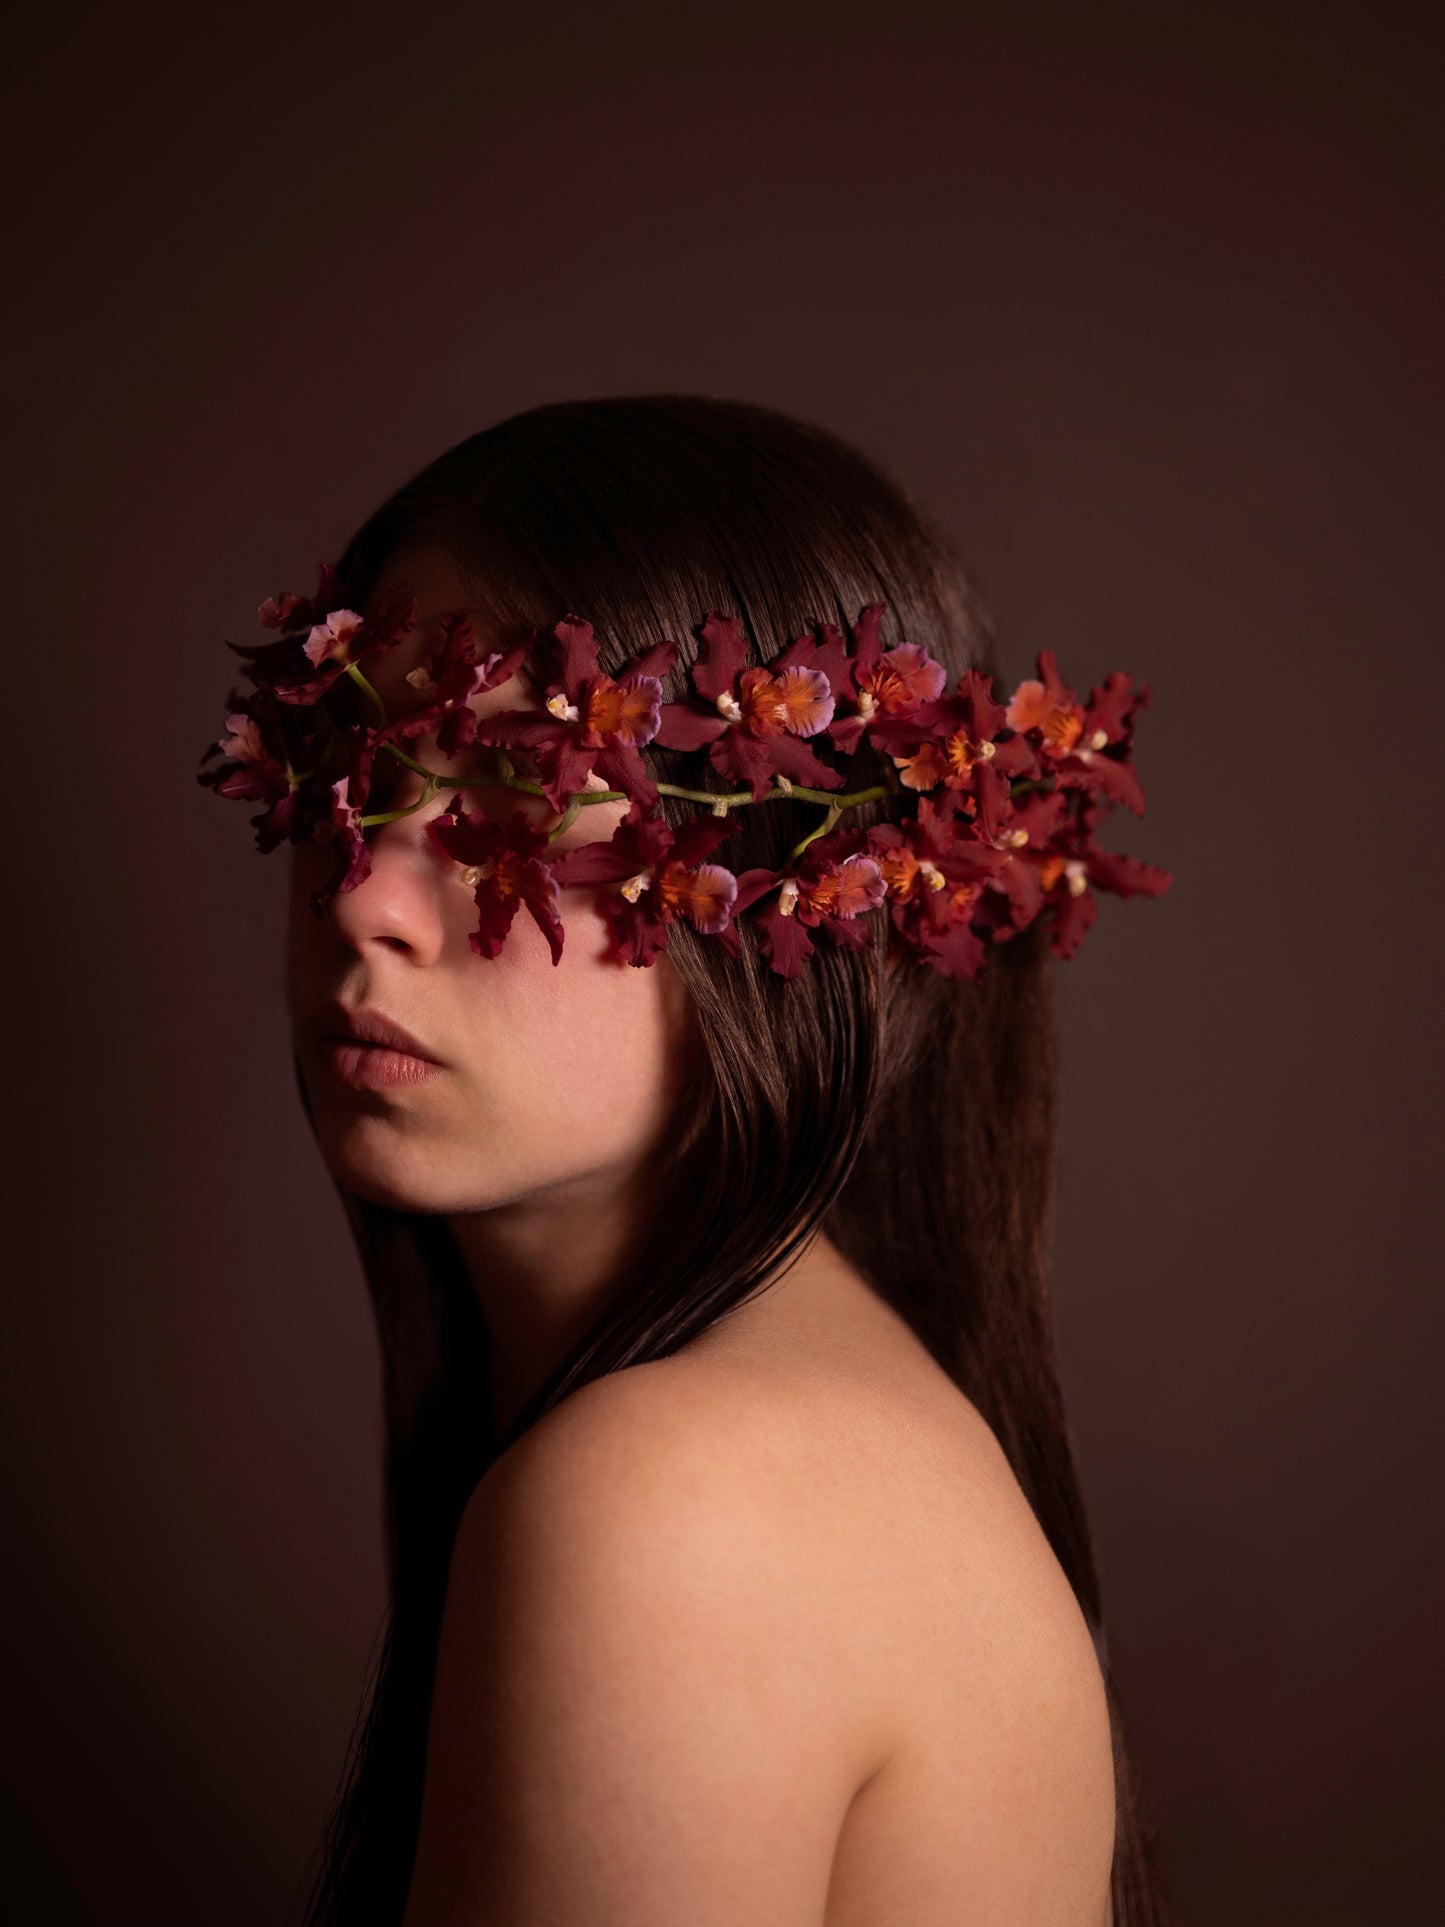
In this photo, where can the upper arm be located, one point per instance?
(635, 1718)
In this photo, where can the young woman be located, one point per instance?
(738, 1566)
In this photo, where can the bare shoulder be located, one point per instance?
(634, 1676)
(999, 1782)
(746, 1596)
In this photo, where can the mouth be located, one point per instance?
(369, 1052)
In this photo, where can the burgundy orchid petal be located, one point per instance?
(851, 932)
(457, 729)
(518, 728)
(751, 885)
(354, 854)
(623, 769)
(301, 612)
(741, 758)
(1096, 770)
(655, 662)
(509, 857)
(639, 936)
(958, 952)
(867, 645)
(563, 767)
(1040, 815)
(639, 842)
(696, 839)
(799, 654)
(845, 841)
(783, 940)
(681, 726)
(1015, 756)
(576, 654)
(794, 760)
(593, 863)
(1020, 882)
(1074, 920)
(985, 717)
(1126, 876)
(991, 796)
(721, 658)
(831, 657)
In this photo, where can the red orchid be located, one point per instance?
(935, 872)
(755, 718)
(955, 741)
(256, 767)
(452, 677)
(832, 884)
(507, 867)
(303, 669)
(592, 720)
(286, 611)
(354, 856)
(1014, 896)
(1077, 744)
(880, 684)
(979, 859)
(447, 684)
(1073, 866)
(663, 876)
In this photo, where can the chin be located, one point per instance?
(369, 1156)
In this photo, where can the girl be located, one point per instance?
(738, 1566)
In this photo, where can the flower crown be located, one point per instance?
(1008, 795)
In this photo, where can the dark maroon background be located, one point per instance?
(1149, 309)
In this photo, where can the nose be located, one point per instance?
(404, 901)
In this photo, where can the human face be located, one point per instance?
(550, 1075)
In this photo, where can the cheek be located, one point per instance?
(587, 1054)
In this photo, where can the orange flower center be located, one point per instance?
(1062, 728)
(962, 753)
(899, 867)
(619, 709)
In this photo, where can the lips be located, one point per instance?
(369, 1027)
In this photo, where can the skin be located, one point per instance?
(762, 1631)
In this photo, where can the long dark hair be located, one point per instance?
(910, 1116)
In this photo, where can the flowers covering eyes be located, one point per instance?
(995, 804)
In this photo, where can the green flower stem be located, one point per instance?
(834, 812)
(401, 756)
(566, 820)
(395, 816)
(439, 781)
(354, 671)
(435, 781)
(721, 801)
